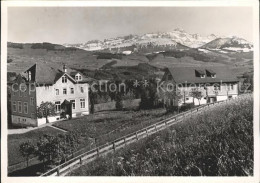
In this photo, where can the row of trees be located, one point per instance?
(51, 149)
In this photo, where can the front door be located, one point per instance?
(66, 107)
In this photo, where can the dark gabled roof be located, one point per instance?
(188, 74)
(200, 71)
(211, 71)
(46, 74)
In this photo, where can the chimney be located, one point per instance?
(64, 68)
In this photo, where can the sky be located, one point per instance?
(80, 24)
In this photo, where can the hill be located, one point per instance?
(22, 56)
(217, 142)
(226, 45)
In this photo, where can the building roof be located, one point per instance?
(46, 74)
(188, 74)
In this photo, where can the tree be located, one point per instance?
(72, 141)
(149, 95)
(50, 148)
(55, 149)
(46, 109)
(92, 98)
(195, 93)
(27, 149)
(119, 102)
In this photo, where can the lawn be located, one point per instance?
(15, 140)
(110, 125)
(218, 142)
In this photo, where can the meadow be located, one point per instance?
(218, 142)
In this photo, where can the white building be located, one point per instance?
(66, 88)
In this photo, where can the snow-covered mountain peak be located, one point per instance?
(177, 38)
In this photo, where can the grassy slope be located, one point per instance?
(15, 140)
(218, 142)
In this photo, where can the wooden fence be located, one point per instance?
(88, 156)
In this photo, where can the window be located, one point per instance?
(64, 91)
(19, 107)
(25, 108)
(29, 75)
(14, 93)
(202, 76)
(14, 106)
(24, 93)
(82, 103)
(82, 89)
(32, 115)
(231, 87)
(213, 75)
(78, 77)
(57, 91)
(20, 93)
(64, 79)
(57, 104)
(72, 90)
(73, 104)
(32, 101)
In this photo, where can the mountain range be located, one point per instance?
(176, 39)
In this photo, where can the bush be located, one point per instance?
(186, 107)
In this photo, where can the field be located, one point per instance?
(110, 125)
(218, 142)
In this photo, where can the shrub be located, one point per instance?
(186, 107)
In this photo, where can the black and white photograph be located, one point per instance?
(115, 89)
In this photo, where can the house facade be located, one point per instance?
(66, 88)
(212, 84)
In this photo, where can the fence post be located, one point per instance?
(155, 127)
(124, 141)
(58, 171)
(114, 147)
(80, 160)
(97, 151)
(197, 109)
(136, 134)
(146, 132)
(166, 124)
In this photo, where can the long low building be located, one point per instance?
(212, 83)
